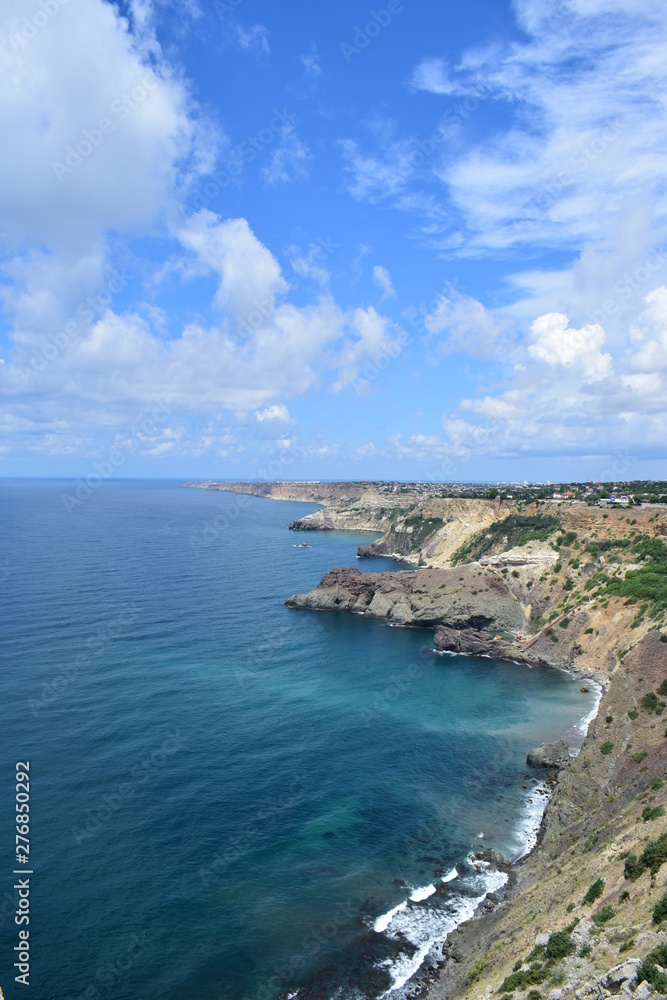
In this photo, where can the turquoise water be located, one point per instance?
(227, 794)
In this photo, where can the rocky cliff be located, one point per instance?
(564, 586)
(586, 888)
(586, 591)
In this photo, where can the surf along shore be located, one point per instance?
(565, 586)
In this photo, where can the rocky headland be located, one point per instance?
(566, 586)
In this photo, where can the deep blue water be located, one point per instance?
(223, 790)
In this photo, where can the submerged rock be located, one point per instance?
(555, 755)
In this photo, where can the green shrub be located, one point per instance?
(606, 748)
(627, 945)
(633, 713)
(520, 980)
(652, 812)
(570, 907)
(595, 890)
(585, 951)
(518, 529)
(656, 784)
(477, 967)
(652, 857)
(606, 914)
(633, 867)
(649, 582)
(560, 944)
(660, 910)
(648, 971)
(663, 687)
(639, 756)
(565, 622)
(649, 702)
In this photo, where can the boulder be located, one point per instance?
(554, 755)
(496, 858)
(620, 974)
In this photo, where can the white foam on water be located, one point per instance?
(383, 922)
(426, 927)
(422, 893)
(587, 719)
(450, 876)
(530, 820)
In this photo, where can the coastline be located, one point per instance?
(502, 877)
(489, 590)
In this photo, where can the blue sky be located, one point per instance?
(409, 240)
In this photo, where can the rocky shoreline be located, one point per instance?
(597, 809)
(545, 587)
(466, 616)
(589, 825)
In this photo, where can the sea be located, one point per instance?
(230, 799)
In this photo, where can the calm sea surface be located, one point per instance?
(231, 799)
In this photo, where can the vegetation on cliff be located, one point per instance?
(511, 532)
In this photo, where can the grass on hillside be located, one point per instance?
(649, 581)
(518, 529)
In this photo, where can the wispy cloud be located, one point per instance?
(288, 162)
(253, 39)
(431, 75)
(382, 279)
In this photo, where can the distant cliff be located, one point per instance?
(586, 590)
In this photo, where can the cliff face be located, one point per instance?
(424, 598)
(557, 599)
(608, 804)
(421, 532)
(544, 585)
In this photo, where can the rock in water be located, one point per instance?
(555, 755)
